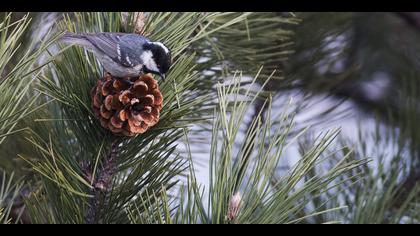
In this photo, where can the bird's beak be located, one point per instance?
(163, 76)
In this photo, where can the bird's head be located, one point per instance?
(157, 59)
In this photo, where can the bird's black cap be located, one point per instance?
(161, 55)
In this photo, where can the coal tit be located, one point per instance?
(124, 55)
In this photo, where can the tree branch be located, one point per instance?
(102, 184)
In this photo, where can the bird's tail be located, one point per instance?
(72, 38)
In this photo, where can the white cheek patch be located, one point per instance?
(147, 58)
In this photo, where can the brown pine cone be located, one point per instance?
(127, 106)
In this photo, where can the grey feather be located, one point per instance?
(117, 46)
(71, 38)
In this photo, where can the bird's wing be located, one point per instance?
(124, 49)
(110, 44)
(131, 46)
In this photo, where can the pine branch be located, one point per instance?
(9, 194)
(145, 163)
(16, 76)
(84, 174)
(102, 185)
(241, 189)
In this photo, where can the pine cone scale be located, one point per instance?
(127, 106)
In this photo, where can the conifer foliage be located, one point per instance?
(98, 149)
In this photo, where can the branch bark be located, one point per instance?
(102, 184)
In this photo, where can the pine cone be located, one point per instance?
(127, 106)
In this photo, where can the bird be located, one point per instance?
(124, 54)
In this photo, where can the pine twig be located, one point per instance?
(102, 184)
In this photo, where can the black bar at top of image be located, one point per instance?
(208, 5)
